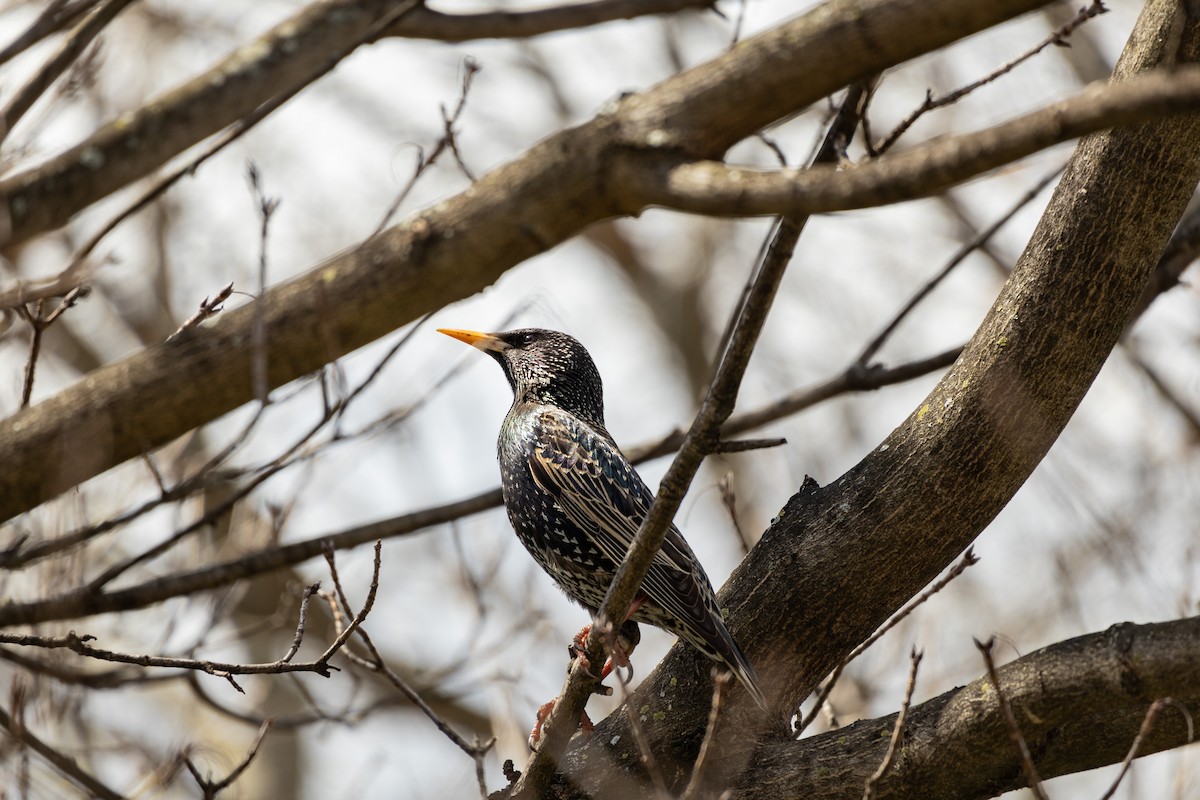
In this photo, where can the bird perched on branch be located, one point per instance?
(576, 502)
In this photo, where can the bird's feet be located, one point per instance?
(535, 735)
(627, 639)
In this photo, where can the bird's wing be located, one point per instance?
(598, 489)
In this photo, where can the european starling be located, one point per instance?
(576, 502)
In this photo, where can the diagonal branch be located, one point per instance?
(700, 441)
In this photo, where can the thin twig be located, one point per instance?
(211, 788)
(63, 763)
(976, 242)
(872, 786)
(480, 778)
(968, 559)
(721, 679)
(235, 132)
(635, 724)
(79, 644)
(470, 67)
(266, 207)
(39, 321)
(110, 679)
(1147, 725)
(298, 637)
(376, 663)
(1058, 37)
(447, 142)
(83, 35)
(209, 307)
(729, 500)
(1031, 775)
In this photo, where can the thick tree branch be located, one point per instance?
(838, 560)
(430, 24)
(715, 188)
(1079, 704)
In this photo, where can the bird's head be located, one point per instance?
(544, 367)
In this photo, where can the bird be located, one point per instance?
(576, 502)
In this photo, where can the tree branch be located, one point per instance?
(79, 644)
(1080, 702)
(716, 188)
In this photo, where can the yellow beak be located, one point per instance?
(483, 341)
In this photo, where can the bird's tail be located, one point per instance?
(722, 648)
(737, 662)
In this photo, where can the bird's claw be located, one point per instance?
(535, 735)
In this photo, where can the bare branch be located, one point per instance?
(376, 663)
(1144, 731)
(208, 308)
(63, 763)
(715, 188)
(83, 35)
(871, 790)
(79, 644)
(976, 242)
(1057, 38)
(39, 320)
(721, 679)
(968, 559)
(212, 788)
(1014, 730)
(470, 67)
